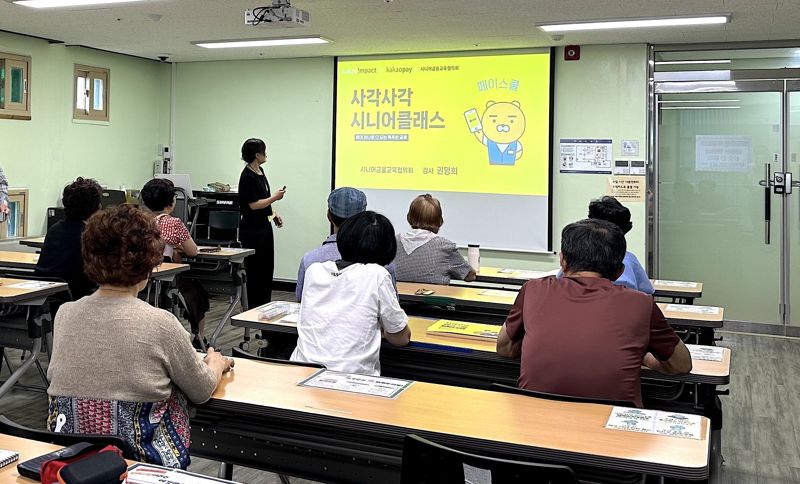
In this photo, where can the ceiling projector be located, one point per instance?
(280, 14)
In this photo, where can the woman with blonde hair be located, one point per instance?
(422, 254)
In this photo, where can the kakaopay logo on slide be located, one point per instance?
(499, 129)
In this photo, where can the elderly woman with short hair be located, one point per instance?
(422, 254)
(120, 366)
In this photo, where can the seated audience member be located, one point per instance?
(581, 335)
(343, 203)
(347, 303)
(61, 253)
(120, 365)
(159, 196)
(634, 275)
(423, 255)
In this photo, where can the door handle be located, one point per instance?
(766, 182)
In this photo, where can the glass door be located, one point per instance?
(793, 223)
(715, 144)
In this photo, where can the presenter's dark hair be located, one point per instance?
(367, 238)
(593, 245)
(609, 208)
(121, 246)
(158, 193)
(81, 198)
(425, 213)
(251, 147)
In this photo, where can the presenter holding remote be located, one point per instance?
(255, 229)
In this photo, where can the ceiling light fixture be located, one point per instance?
(275, 42)
(66, 3)
(715, 61)
(684, 108)
(635, 23)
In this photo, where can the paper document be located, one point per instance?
(460, 328)
(655, 422)
(350, 382)
(34, 284)
(278, 310)
(687, 308)
(706, 353)
(498, 293)
(152, 474)
(688, 285)
(520, 274)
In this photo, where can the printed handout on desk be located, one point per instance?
(706, 353)
(34, 284)
(654, 422)
(350, 382)
(522, 274)
(279, 310)
(498, 293)
(631, 419)
(686, 308)
(444, 327)
(151, 474)
(688, 285)
(680, 425)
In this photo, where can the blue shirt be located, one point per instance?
(327, 251)
(633, 277)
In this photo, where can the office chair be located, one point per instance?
(112, 198)
(588, 474)
(9, 427)
(237, 352)
(223, 226)
(425, 462)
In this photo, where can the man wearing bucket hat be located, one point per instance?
(343, 203)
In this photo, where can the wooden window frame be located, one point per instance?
(91, 74)
(9, 110)
(19, 195)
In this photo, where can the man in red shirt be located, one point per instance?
(583, 336)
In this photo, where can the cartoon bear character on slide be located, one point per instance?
(501, 128)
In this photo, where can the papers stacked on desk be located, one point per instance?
(446, 327)
(279, 311)
(499, 293)
(685, 308)
(687, 285)
(671, 424)
(706, 353)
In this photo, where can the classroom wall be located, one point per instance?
(290, 104)
(51, 149)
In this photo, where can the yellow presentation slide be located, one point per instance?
(475, 124)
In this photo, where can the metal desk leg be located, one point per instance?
(16, 375)
(241, 296)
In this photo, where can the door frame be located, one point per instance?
(782, 81)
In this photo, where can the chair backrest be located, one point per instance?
(223, 219)
(497, 387)
(9, 427)
(240, 353)
(425, 462)
(181, 209)
(111, 198)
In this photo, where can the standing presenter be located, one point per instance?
(255, 229)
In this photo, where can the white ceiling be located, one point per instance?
(377, 26)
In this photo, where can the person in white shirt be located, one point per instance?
(347, 303)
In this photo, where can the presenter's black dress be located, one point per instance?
(255, 232)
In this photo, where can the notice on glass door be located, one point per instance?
(723, 153)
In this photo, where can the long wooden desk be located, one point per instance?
(208, 268)
(472, 298)
(25, 331)
(679, 291)
(28, 449)
(424, 347)
(259, 417)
